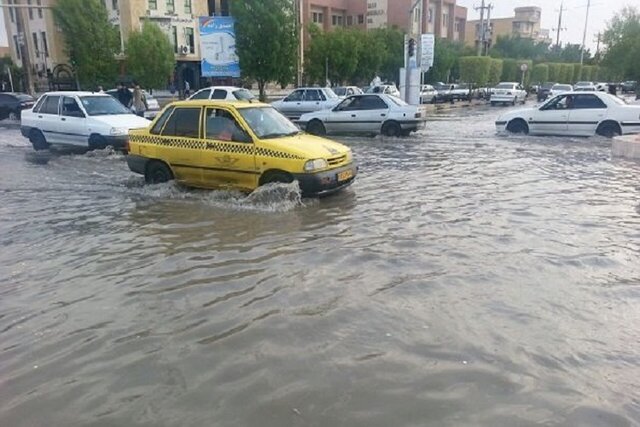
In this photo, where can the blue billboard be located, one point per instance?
(218, 47)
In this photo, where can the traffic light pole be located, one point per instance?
(408, 50)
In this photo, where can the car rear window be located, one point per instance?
(243, 95)
(505, 86)
(219, 94)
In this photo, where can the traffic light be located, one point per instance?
(412, 48)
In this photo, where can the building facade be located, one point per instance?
(524, 24)
(44, 42)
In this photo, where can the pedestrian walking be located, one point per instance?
(139, 101)
(100, 89)
(124, 95)
(187, 89)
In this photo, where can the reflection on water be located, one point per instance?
(465, 279)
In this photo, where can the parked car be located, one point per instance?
(344, 91)
(583, 84)
(224, 93)
(83, 119)
(628, 86)
(368, 114)
(153, 107)
(508, 93)
(461, 92)
(305, 100)
(576, 114)
(602, 87)
(387, 89)
(585, 89)
(238, 145)
(543, 91)
(12, 104)
(444, 91)
(557, 89)
(428, 94)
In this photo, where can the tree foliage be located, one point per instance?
(622, 39)
(90, 40)
(555, 72)
(150, 58)
(266, 40)
(475, 70)
(540, 73)
(445, 63)
(496, 71)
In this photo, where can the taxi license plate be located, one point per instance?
(345, 175)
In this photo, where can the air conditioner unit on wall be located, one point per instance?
(183, 50)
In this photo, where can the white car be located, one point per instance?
(508, 93)
(385, 89)
(227, 93)
(602, 87)
(575, 114)
(368, 114)
(306, 100)
(428, 94)
(557, 89)
(83, 119)
(344, 91)
(583, 84)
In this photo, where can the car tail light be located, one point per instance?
(508, 93)
(417, 115)
(126, 146)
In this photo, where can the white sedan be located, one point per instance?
(368, 114)
(557, 89)
(224, 93)
(305, 100)
(575, 114)
(508, 93)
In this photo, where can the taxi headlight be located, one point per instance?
(316, 164)
(349, 156)
(118, 131)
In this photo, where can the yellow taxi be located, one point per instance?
(238, 145)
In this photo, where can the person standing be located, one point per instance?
(187, 89)
(139, 101)
(124, 95)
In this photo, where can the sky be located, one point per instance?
(573, 17)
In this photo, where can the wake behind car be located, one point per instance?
(82, 119)
(508, 93)
(366, 114)
(575, 114)
(305, 100)
(236, 145)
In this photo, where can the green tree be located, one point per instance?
(393, 54)
(90, 40)
(622, 39)
(369, 58)
(566, 73)
(150, 58)
(475, 70)
(336, 52)
(577, 72)
(555, 72)
(519, 48)
(445, 61)
(266, 40)
(510, 70)
(540, 73)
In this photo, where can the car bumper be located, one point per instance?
(118, 142)
(327, 182)
(503, 98)
(137, 164)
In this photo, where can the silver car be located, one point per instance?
(366, 114)
(306, 100)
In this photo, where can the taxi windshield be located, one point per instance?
(267, 122)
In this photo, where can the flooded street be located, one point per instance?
(465, 279)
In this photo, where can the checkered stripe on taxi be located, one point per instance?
(266, 152)
(213, 146)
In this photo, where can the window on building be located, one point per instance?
(174, 39)
(35, 43)
(349, 20)
(360, 19)
(337, 20)
(39, 3)
(153, 4)
(317, 17)
(340, 20)
(17, 45)
(30, 10)
(45, 45)
(430, 16)
(189, 38)
(224, 7)
(212, 7)
(187, 7)
(445, 19)
(114, 4)
(171, 7)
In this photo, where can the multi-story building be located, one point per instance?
(178, 18)
(525, 24)
(442, 17)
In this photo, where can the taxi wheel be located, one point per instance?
(157, 173)
(276, 176)
(608, 130)
(391, 129)
(315, 127)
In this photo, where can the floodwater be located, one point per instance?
(466, 279)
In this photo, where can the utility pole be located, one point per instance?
(597, 40)
(408, 63)
(23, 47)
(298, 6)
(562, 8)
(584, 35)
(484, 27)
(488, 30)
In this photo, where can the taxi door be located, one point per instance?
(229, 152)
